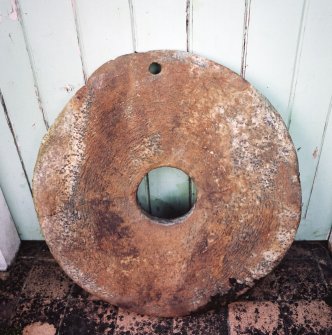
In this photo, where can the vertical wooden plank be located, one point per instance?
(15, 187)
(104, 30)
(169, 192)
(18, 88)
(318, 219)
(218, 28)
(52, 41)
(312, 95)
(9, 240)
(274, 35)
(160, 24)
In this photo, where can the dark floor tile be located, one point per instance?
(34, 249)
(251, 318)
(301, 280)
(308, 250)
(307, 317)
(129, 323)
(291, 280)
(30, 311)
(7, 311)
(34, 292)
(12, 280)
(4, 275)
(265, 289)
(326, 269)
(8, 330)
(29, 249)
(209, 323)
(88, 317)
(77, 292)
(47, 280)
(44, 252)
(325, 265)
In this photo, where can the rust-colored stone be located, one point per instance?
(197, 116)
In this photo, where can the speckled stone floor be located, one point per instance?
(37, 298)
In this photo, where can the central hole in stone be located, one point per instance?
(166, 193)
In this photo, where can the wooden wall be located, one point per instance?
(49, 47)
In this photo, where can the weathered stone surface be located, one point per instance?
(197, 116)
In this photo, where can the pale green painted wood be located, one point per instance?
(169, 192)
(166, 191)
(312, 95)
(143, 196)
(159, 24)
(272, 49)
(217, 31)
(318, 221)
(52, 41)
(15, 187)
(105, 31)
(18, 88)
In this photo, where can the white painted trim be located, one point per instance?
(9, 240)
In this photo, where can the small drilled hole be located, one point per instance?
(155, 68)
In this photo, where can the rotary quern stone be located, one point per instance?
(186, 112)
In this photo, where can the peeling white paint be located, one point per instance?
(69, 88)
(13, 15)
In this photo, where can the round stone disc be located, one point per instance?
(184, 112)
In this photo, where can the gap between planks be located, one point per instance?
(34, 76)
(10, 126)
(319, 156)
(189, 25)
(245, 40)
(297, 59)
(133, 25)
(79, 41)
